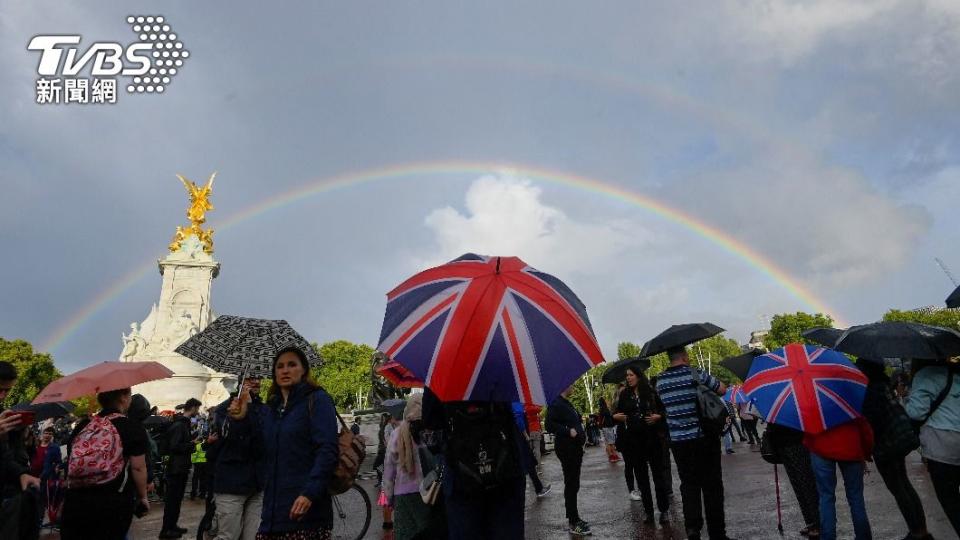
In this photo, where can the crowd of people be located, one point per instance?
(459, 469)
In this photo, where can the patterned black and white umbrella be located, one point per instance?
(244, 346)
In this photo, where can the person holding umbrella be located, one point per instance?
(299, 429)
(696, 452)
(105, 489)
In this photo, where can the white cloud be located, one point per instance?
(505, 215)
(824, 224)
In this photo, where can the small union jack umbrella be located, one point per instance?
(491, 329)
(805, 387)
(735, 395)
(399, 376)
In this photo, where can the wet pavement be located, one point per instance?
(750, 504)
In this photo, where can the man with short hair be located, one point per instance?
(697, 454)
(235, 455)
(14, 477)
(180, 447)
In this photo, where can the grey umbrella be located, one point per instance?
(244, 346)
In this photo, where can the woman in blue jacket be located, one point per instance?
(299, 427)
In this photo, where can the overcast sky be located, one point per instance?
(822, 134)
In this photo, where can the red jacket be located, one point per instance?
(852, 441)
(533, 417)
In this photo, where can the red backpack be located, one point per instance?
(96, 454)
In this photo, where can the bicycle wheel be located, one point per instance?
(351, 514)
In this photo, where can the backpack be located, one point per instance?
(351, 451)
(895, 437)
(711, 411)
(482, 448)
(96, 454)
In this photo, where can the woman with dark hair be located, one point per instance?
(640, 410)
(105, 488)
(299, 427)
(894, 440)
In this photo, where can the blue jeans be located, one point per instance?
(825, 470)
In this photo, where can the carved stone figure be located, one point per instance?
(133, 343)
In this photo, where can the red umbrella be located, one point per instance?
(399, 376)
(102, 377)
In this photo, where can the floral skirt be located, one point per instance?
(310, 534)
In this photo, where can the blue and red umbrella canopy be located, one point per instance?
(489, 328)
(735, 395)
(805, 387)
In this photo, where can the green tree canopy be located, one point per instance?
(345, 373)
(947, 318)
(34, 370)
(786, 328)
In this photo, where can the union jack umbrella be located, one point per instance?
(735, 395)
(491, 329)
(805, 387)
(399, 376)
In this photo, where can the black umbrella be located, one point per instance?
(679, 335)
(43, 411)
(740, 365)
(395, 407)
(617, 373)
(953, 301)
(895, 339)
(823, 335)
(244, 346)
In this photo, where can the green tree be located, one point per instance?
(786, 328)
(714, 350)
(588, 389)
(947, 318)
(345, 373)
(34, 370)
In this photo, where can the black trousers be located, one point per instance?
(796, 461)
(198, 485)
(91, 515)
(698, 463)
(750, 426)
(645, 459)
(570, 454)
(894, 474)
(172, 499)
(946, 484)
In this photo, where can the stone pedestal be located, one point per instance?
(183, 310)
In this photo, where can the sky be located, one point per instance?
(822, 135)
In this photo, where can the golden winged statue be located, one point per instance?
(196, 213)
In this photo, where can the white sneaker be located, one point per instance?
(635, 495)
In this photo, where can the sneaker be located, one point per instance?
(167, 535)
(635, 495)
(730, 451)
(543, 492)
(580, 529)
(648, 520)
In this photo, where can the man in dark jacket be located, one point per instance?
(179, 447)
(235, 455)
(564, 421)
